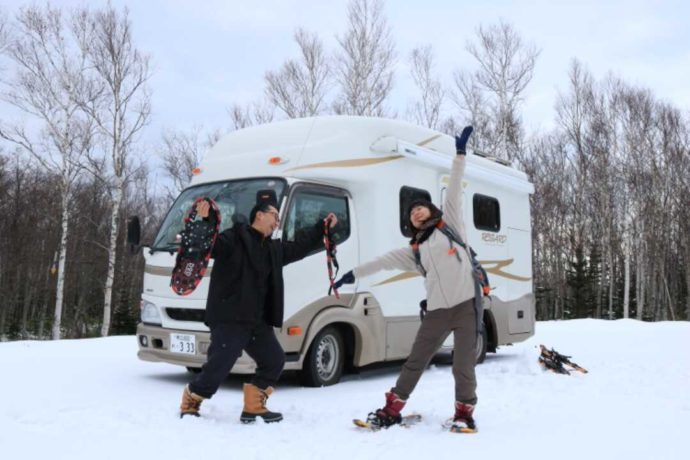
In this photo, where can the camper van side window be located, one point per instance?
(407, 196)
(487, 213)
(309, 206)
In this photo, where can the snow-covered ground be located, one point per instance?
(93, 399)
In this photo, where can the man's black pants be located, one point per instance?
(227, 342)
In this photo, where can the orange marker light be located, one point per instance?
(275, 161)
(294, 330)
(196, 171)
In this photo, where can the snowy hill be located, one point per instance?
(86, 399)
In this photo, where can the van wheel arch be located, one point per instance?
(328, 355)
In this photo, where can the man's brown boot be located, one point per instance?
(255, 405)
(191, 402)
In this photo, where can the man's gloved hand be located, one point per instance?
(347, 278)
(461, 141)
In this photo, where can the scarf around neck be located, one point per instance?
(428, 227)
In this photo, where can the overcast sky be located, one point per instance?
(208, 55)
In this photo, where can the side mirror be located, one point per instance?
(133, 234)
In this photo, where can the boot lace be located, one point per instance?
(190, 402)
(263, 398)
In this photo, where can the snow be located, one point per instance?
(84, 399)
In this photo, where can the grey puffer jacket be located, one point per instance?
(448, 281)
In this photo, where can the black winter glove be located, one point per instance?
(347, 278)
(461, 142)
(422, 310)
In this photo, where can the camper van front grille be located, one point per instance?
(186, 314)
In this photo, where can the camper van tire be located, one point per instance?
(482, 344)
(324, 362)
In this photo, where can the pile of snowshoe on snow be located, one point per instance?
(553, 361)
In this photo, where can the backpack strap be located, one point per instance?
(477, 269)
(481, 283)
(418, 258)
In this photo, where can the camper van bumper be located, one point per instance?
(154, 346)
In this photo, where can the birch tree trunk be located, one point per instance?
(110, 277)
(62, 250)
(626, 282)
(687, 284)
(643, 293)
(611, 313)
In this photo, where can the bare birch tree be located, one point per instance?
(506, 66)
(4, 33)
(474, 106)
(49, 70)
(299, 88)
(122, 111)
(365, 61)
(181, 152)
(427, 110)
(256, 113)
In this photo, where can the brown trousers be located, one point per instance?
(436, 327)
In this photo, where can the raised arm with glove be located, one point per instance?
(347, 278)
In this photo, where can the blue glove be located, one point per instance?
(347, 278)
(461, 142)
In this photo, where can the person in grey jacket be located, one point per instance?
(450, 288)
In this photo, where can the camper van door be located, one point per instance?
(307, 280)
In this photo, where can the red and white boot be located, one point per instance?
(462, 420)
(389, 414)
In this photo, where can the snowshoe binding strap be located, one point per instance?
(381, 419)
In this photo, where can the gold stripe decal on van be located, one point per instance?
(431, 139)
(347, 163)
(167, 271)
(496, 270)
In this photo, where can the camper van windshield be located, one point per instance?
(235, 200)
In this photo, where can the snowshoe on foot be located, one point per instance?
(387, 416)
(463, 422)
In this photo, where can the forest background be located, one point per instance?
(610, 215)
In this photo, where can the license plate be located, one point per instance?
(183, 343)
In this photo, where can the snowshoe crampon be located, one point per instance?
(459, 427)
(372, 423)
(196, 243)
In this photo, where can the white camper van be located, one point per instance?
(366, 170)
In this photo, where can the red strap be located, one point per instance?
(330, 257)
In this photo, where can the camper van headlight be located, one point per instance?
(150, 313)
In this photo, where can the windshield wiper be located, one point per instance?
(170, 247)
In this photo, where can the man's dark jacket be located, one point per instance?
(233, 294)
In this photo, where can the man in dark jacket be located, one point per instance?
(245, 303)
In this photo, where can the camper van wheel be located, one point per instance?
(323, 364)
(481, 346)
